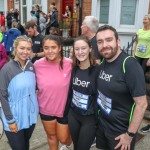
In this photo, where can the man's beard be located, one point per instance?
(111, 54)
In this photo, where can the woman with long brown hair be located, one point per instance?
(82, 95)
(53, 74)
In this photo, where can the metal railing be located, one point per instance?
(129, 49)
(67, 45)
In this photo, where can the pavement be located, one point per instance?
(39, 141)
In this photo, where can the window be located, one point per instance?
(36, 2)
(23, 2)
(104, 11)
(1, 6)
(24, 11)
(24, 14)
(128, 10)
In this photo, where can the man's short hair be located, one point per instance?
(32, 12)
(30, 24)
(108, 27)
(92, 23)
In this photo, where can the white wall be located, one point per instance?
(125, 31)
(2, 5)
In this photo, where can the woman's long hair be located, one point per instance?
(92, 60)
(57, 40)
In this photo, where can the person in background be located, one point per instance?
(1, 37)
(53, 31)
(82, 95)
(9, 19)
(54, 18)
(37, 12)
(18, 95)
(2, 19)
(67, 18)
(68, 13)
(42, 23)
(3, 60)
(3, 31)
(21, 28)
(37, 26)
(89, 28)
(142, 47)
(16, 15)
(31, 29)
(10, 36)
(48, 23)
(142, 51)
(3, 56)
(53, 74)
(32, 12)
(121, 91)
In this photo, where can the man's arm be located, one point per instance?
(140, 107)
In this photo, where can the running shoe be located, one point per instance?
(94, 143)
(65, 147)
(145, 129)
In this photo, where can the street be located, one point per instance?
(39, 141)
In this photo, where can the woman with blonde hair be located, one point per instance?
(142, 46)
(18, 95)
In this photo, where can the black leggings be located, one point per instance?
(20, 140)
(142, 62)
(82, 130)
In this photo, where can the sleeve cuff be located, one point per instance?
(11, 121)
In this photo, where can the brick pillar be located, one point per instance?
(10, 4)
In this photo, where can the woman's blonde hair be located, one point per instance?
(19, 39)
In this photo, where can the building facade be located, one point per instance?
(125, 15)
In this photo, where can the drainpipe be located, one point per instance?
(80, 16)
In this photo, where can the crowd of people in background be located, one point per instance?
(44, 21)
(78, 98)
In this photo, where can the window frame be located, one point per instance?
(29, 5)
(114, 16)
(100, 10)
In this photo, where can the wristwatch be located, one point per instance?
(131, 134)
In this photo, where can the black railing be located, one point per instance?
(129, 49)
(67, 45)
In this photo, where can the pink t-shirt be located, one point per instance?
(53, 84)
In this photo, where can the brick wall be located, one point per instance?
(86, 10)
(10, 4)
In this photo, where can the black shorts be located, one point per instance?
(142, 62)
(61, 120)
(105, 140)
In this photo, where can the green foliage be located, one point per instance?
(66, 23)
